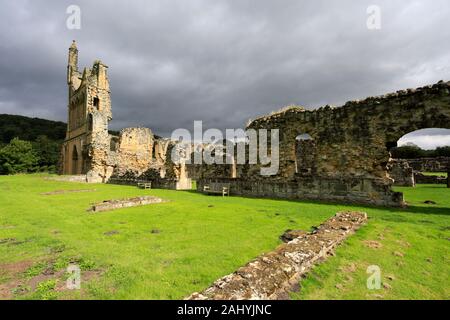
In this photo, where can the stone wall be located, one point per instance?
(89, 149)
(350, 146)
(401, 173)
(428, 179)
(439, 164)
(108, 205)
(135, 150)
(351, 190)
(345, 159)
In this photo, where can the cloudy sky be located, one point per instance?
(221, 61)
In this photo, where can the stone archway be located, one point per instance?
(351, 146)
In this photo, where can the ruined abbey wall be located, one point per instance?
(349, 156)
(401, 173)
(136, 154)
(345, 157)
(408, 172)
(439, 164)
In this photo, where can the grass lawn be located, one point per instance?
(438, 174)
(169, 250)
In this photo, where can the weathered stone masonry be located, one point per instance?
(89, 149)
(350, 150)
(273, 275)
(346, 159)
(408, 172)
(401, 172)
(439, 164)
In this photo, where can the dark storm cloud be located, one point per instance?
(223, 62)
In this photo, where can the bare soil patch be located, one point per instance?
(56, 192)
(19, 284)
(373, 244)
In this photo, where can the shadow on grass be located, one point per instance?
(352, 206)
(426, 210)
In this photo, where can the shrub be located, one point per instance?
(18, 157)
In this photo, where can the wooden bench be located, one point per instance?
(144, 185)
(217, 188)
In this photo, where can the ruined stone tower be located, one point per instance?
(89, 111)
(91, 151)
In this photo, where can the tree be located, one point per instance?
(408, 151)
(17, 157)
(443, 151)
(48, 152)
(12, 126)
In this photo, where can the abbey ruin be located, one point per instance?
(346, 157)
(90, 150)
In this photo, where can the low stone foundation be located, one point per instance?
(124, 203)
(273, 275)
(348, 190)
(425, 179)
(67, 178)
(439, 164)
(58, 192)
(171, 184)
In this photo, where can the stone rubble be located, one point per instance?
(124, 203)
(273, 275)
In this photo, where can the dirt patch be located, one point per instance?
(12, 241)
(111, 233)
(6, 290)
(390, 277)
(7, 240)
(340, 286)
(387, 286)
(404, 244)
(398, 254)
(12, 272)
(66, 178)
(14, 268)
(373, 244)
(56, 192)
(351, 268)
(19, 283)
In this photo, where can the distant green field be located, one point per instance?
(439, 174)
(169, 250)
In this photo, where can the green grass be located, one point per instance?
(438, 174)
(202, 238)
(421, 233)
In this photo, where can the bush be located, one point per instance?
(443, 151)
(48, 152)
(18, 157)
(411, 151)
